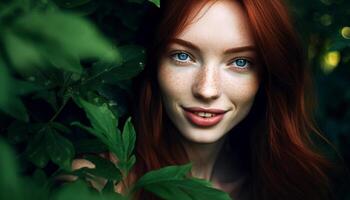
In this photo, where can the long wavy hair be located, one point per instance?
(278, 152)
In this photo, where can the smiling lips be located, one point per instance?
(204, 117)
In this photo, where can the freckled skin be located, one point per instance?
(210, 80)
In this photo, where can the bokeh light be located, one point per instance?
(345, 32)
(330, 61)
(326, 19)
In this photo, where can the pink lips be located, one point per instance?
(201, 121)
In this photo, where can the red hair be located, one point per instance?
(278, 154)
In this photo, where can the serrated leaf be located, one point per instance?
(60, 149)
(105, 140)
(104, 126)
(101, 118)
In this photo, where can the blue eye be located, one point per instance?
(241, 63)
(181, 57)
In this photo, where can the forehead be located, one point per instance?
(222, 24)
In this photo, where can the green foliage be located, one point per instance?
(9, 178)
(156, 2)
(171, 183)
(55, 65)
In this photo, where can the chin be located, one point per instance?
(203, 137)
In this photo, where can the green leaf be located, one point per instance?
(117, 96)
(10, 183)
(39, 177)
(104, 125)
(108, 190)
(34, 40)
(109, 187)
(60, 127)
(103, 168)
(131, 162)
(75, 190)
(155, 2)
(60, 149)
(101, 118)
(25, 87)
(186, 190)
(80, 190)
(23, 53)
(171, 183)
(129, 137)
(10, 103)
(166, 173)
(77, 35)
(132, 63)
(16, 109)
(36, 150)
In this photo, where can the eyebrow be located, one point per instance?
(196, 48)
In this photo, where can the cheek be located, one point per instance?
(172, 82)
(242, 90)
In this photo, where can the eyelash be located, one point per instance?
(178, 61)
(247, 66)
(172, 56)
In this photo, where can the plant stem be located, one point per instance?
(59, 110)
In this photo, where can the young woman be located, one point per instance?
(226, 88)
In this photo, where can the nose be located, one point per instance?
(207, 85)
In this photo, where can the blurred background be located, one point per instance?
(53, 52)
(325, 27)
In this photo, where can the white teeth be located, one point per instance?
(204, 114)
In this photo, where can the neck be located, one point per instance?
(203, 157)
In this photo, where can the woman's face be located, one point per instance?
(208, 73)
